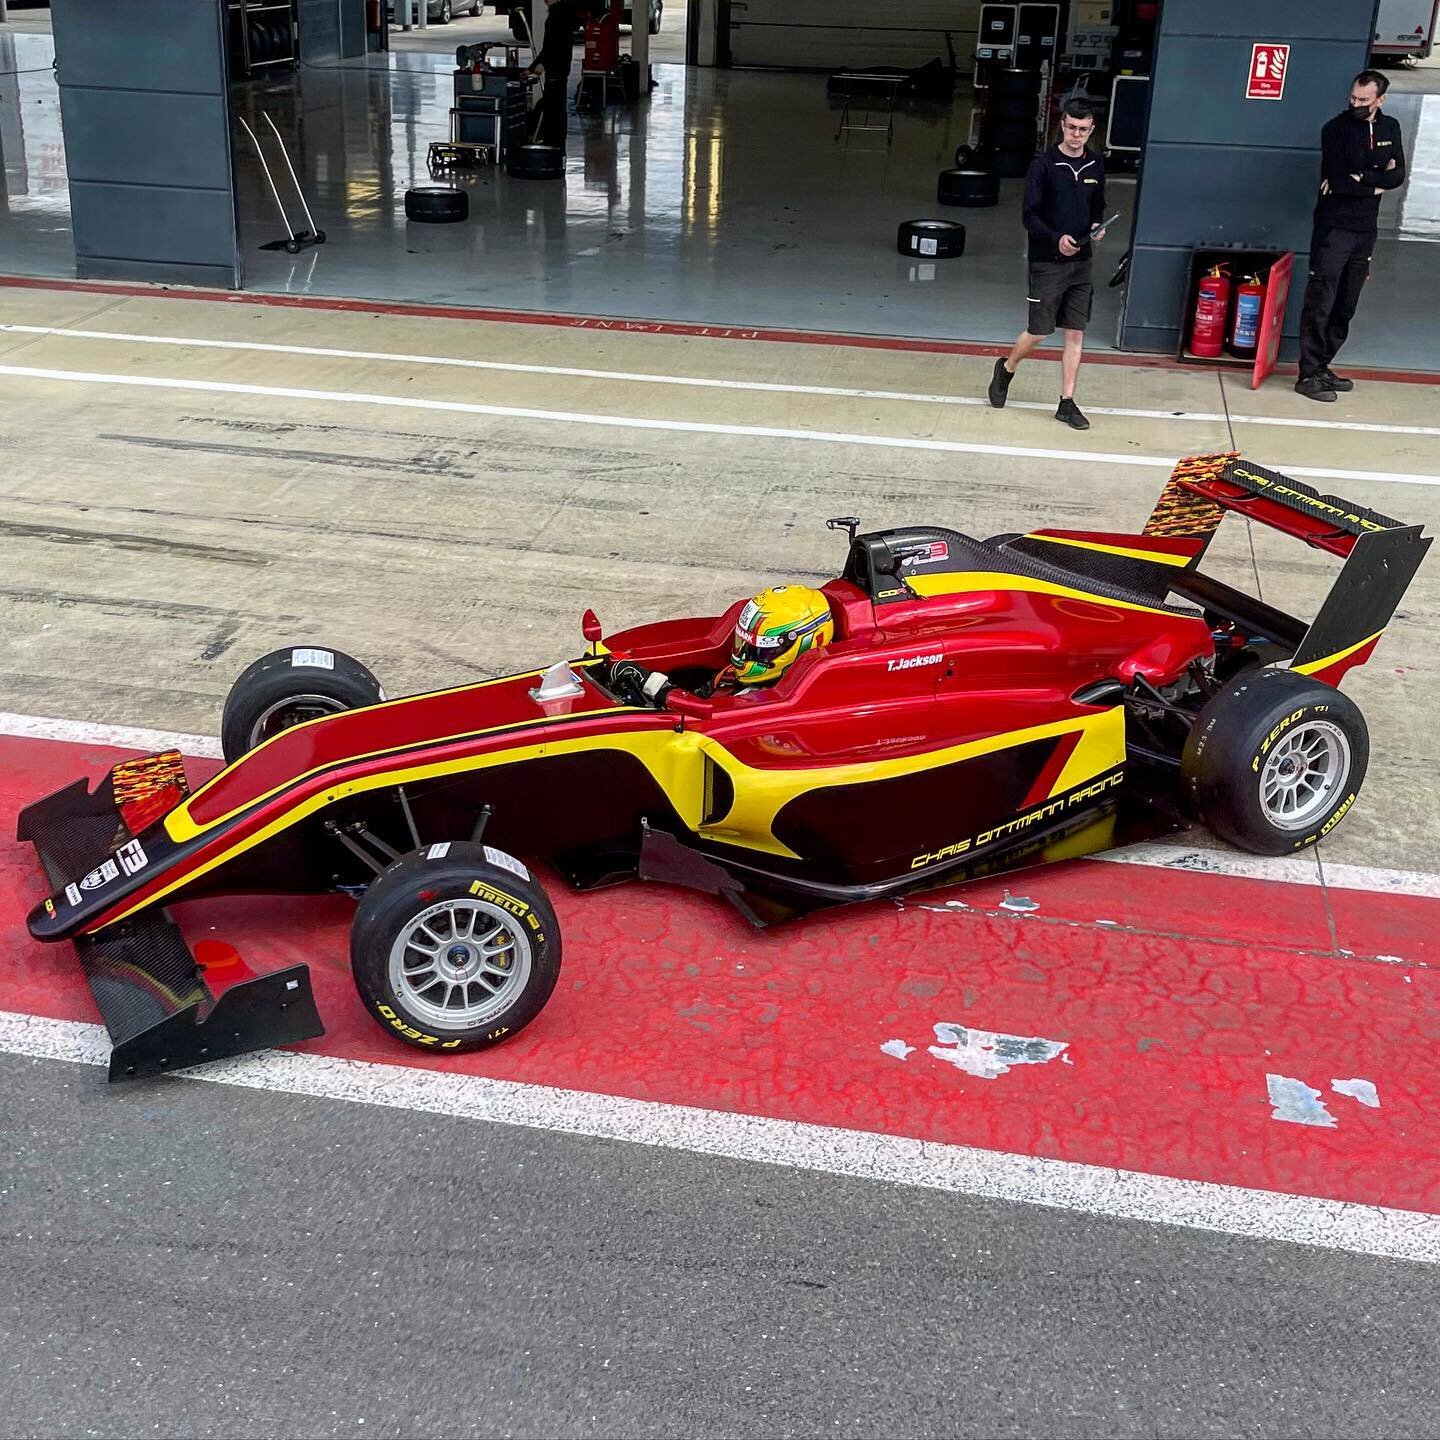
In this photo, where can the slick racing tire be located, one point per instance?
(436, 205)
(288, 687)
(931, 239)
(974, 188)
(536, 162)
(455, 947)
(1274, 761)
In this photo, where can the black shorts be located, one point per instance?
(1060, 295)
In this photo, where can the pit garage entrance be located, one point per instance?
(753, 186)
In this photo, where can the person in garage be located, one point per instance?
(1063, 214)
(1360, 159)
(553, 65)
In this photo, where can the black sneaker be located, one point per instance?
(1069, 412)
(1000, 384)
(1313, 387)
(1336, 382)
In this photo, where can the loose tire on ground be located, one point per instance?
(455, 947)
(536, 162)
(287, 687)
(1275, 760)
(971, 187)
(436, 205)
(931, 239)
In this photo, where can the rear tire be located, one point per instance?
(1274, 761)
(455, 947)
(288, 687)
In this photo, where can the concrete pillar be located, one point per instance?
(640, 41)
(1221, 169)
(133, 76)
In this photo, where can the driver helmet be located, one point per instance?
(775, 629)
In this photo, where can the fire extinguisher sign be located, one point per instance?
(1268, 64)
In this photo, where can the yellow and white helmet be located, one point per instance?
(775, 629)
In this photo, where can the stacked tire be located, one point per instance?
(1008, 127)
(968, 185)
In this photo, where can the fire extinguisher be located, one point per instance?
(1212, 303)
(1245, 327)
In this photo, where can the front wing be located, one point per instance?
(154, 997)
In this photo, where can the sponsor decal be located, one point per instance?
(1274, 735)
(1313, 504)
(506, 862)
(132, 857)
(319, 659)
(499, 897)
(411, 1033)
(1021, 823)
(930, 554)
(438, 852)
(912, 662)
(49, 907)
(102, 874)
(72, 894)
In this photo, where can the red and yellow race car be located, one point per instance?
(946, 707)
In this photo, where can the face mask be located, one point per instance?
(1360, 112)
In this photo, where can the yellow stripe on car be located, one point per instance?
(1311, 667)
(1129, 552)
(975, 581)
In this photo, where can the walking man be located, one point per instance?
(1064, 208)
(1360, 159)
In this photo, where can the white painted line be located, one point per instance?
(1308, 869)
(856, 1154)
(1288, 870)
(686, 427)
(126, 737)
(391, 357)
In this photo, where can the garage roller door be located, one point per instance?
(833, 34)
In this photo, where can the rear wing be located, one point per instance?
(1380, 555)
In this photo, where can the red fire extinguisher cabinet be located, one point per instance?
(1276, 268)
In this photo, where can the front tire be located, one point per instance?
(1275, 760)
(288, 687)
(455, 947)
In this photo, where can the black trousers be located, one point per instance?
(555, 110)
(1339, 267)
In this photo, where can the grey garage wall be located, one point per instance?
(145, 107)
(1223, 170)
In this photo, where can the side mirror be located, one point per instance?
(590, 626)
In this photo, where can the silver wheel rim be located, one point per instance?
(460, 964)
(1303, 776)
(291, 711)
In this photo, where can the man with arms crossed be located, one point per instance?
(1064, 207)
(1360, 159)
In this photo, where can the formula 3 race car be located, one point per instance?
(976, 705)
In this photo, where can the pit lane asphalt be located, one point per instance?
(183, 1259)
